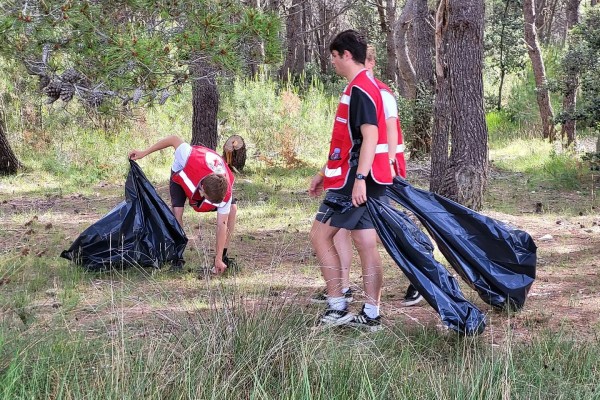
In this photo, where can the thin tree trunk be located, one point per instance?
(502, 66)
(459, 69)
(9, 164)
(549, 22)
(541, 13)
(294, 56)
(424, 45)
(407, 72)
(391, 65)
(205, 104)
(569, 125)
(539, 72)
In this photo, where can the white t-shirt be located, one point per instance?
(390, 107)
(182, 153)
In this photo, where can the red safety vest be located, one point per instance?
(400, 165)
(202, 162)
(338, 165)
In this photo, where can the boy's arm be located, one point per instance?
(370, 135)
(170, 141)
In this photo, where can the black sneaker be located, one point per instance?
(335, 317)
(321, 298)
(412, 297)
(363, 321)
(232, 265)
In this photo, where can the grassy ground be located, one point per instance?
(144, 333)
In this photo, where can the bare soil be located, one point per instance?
(565, 297)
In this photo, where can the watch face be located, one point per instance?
(360, 176)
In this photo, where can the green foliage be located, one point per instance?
(132, 50)
(576, 67)
(280, 126)
(503, 49)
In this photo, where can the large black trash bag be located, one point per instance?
(141, 230)
(496, 260)
(413, 252)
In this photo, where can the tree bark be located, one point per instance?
(408, 78)
(539, 72)
(387, 16)
(9, 164)
(569, 124)
(294, 56)
(205, 103)
(461, 176)
(541, 13)
(424, 45)
(391, 65)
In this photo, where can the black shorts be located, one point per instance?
(342, 215)
(178, 197)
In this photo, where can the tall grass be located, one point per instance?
(231, 341)
(236, 352)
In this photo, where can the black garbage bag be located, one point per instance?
(140, 231)
(496, 260)
(413, 252)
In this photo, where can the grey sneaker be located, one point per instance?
(335, 317)
(321, 297)
(412, 297)
(363, 321)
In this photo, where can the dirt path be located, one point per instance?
(565, 297)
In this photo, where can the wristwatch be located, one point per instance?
(360, 177)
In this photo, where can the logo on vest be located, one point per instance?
(215, 163)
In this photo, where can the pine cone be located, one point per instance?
(66, 92)
(95, 99)
(52, 90)
(44, 81)
(71, 76)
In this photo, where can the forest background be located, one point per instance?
(500, 104)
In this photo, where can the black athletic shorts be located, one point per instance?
(338, 209)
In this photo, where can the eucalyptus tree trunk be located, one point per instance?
(9, 164)
(408, 78)
(459, 170)
(294, 57)
(539, 72)
(205, 103)
(424, 45)
(387, 17)
(568, 128)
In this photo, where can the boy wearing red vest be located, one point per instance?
(342, 240)
(358, 167)
(200, 176)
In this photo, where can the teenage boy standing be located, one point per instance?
(358, 167)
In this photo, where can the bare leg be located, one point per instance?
(343, 246)
(231, 223)
(365, 241)
(321, 236)
(178, 212)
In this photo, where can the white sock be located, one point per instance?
(337, 303)
(371, 311)
(344, 290)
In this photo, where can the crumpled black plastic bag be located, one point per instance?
(140, 231)
(498, 261)
(413, 252)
